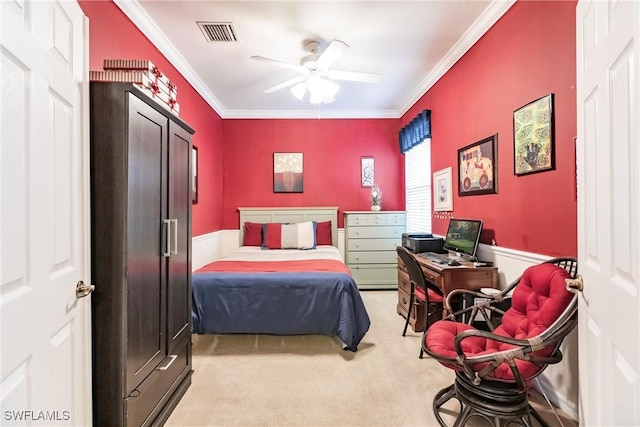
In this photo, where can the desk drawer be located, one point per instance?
(431, 275)
(417, 319)
(404, 282)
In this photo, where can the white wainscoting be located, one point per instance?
(559, 382)
(209, 247)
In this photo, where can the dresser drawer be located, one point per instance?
(376, 219)
(376, 232)
(374, 274)
(372, 244)
(371, 257)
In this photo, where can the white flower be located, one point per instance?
(376, 196)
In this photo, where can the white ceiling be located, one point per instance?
(410, 43)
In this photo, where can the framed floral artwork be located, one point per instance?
(288, 172)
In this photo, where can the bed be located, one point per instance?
(281, 291)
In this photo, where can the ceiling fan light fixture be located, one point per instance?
(299, 90)
(315, 97)
(321, 90)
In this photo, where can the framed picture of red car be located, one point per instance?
(478, 167)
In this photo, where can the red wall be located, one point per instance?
(529, 53)
(332, 149)
(112, 35)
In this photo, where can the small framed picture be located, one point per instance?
(442, 190)
(367, 171)
(194, 175)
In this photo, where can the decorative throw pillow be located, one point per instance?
(323, 233)
(252, 234)
(289, 236)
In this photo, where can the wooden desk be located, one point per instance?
(447, 278)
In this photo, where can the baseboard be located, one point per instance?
(544, 386)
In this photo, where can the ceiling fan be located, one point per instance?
(316, 76)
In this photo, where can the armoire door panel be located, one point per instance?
(146, 201)
(178, 285)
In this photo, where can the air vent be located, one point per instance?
(218, 31)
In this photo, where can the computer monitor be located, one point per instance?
(463, 236)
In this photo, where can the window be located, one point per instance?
(417, 169)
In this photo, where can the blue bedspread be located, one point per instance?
(291, 303)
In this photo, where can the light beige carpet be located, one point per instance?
(264, 380)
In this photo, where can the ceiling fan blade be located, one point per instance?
(331, 54)
(283, 85)
(279, 63)
(354, 76)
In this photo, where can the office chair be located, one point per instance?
(494, 369)
(422, 292)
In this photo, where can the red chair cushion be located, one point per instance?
(537, 301)
(433, 295)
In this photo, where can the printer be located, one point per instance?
(422, 242)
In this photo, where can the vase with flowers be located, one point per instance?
(376, 198)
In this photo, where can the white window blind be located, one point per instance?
(417, 167)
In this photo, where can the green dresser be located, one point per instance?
(371, 239)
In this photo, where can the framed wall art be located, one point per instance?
(367, 171)
(442, 190)
(533, 137)
(478, 167)
(194, 174)
(287, 172)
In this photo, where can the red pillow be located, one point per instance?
(323, 233)
(252, 234)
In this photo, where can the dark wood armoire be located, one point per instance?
(141, 256)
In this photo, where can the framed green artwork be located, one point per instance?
(533, 137)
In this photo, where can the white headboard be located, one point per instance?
(292, 215)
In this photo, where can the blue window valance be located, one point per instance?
(415, 131)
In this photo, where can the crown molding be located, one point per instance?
(484, 22)
(137, 15)
(310, 114)
(145, 24)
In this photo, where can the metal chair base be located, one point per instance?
(498, 403)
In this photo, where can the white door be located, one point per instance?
(45, 373)
(608, 96)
